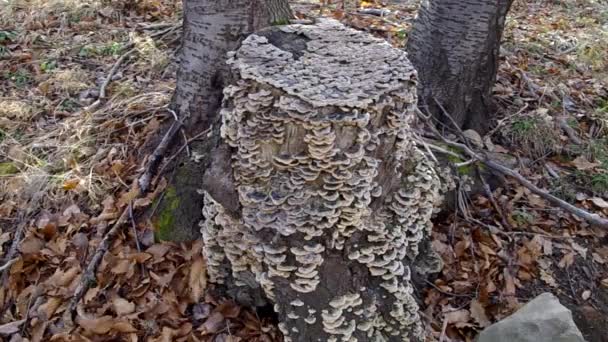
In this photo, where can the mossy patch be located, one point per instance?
(165, 222)
(280, 22)
(8, 168)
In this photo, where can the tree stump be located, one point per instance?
(334, 197)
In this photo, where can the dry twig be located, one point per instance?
(88, 278)
(594, 219)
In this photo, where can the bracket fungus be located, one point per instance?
(335, 198)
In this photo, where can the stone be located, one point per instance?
(543, 319)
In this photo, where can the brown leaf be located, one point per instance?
(121, 267)
(91, 294)
(10, 328)
(46, 310)
(214, 323)
(38, 329)
(548, 278)
(229, 309)
(123, 326)
(583, 164)
(567, 260)
(122, 306)
(62, 279)
(582, 251)
(479, 313)
(98, 325)
(31, 245)
(599, 202)
(70, 184)
(198, 279)
(509, 283)
(158, 250)
(139, 257)
(457, 317)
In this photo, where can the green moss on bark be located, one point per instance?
(165, 223)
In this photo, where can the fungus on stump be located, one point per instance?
(334, 196)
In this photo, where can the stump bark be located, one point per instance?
(335, 200)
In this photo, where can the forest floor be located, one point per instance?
(70, 154)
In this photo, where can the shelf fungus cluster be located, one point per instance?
(335, 198)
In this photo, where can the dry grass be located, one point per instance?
(69, 81)
(535, 135)
(52, 147)
(15, 110)
(29, 11)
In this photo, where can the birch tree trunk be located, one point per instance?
(455, 45)
(211, 28)
(335, 200)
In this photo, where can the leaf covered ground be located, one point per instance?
(68, 160)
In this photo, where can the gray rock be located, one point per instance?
(543, 319)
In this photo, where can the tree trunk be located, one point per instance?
(211, 29)
(454, 45)
(334, 198)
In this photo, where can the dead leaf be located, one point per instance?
(229, 309)
(583, 164)
(478, 313)
(457, 317)
(31, 245)
(582, 251)
(123, 326)
(547, 247)
(158, 250)
(198, 279)
(567, 260)
(474, 137)
(46, 310)
(10, 328)
(122, 306)
(548, 278)
(214, 323)
(604, 282)
(121, 267)
(509, 283)
(63, 279)
(99, 325)
(586, 294)
(599, 202)
(598, 258)
(70, 184)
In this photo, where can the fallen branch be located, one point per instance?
(594, 219)
(143, 182)
(10, 255)
(157, 156)
(570, 132)
(129, 49)
(501, 122)
(106, 82)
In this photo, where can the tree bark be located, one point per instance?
(211, 29)
(455, 45)
(335, 199)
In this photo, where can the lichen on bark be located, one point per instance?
(334, 196)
